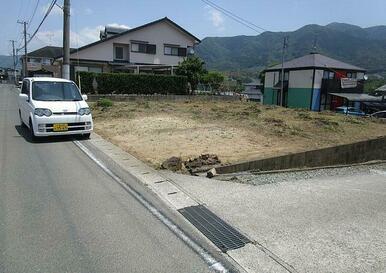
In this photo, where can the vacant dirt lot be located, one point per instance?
(155, 130)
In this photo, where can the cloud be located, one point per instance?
(78, 38)
(88, 11)
(118, 25)
(216, 17)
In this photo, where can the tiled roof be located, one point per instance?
(315, 60)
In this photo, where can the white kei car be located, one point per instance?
(53, 106)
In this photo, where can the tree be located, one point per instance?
(193, 68)
(214, 79)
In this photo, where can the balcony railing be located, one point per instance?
(334, 86)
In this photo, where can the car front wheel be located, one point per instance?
(21, 120)
(86, 136)
(31, 130)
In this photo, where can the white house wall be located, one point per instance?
(271, 79)
(99, 52)
(300, 78)
(158, 34)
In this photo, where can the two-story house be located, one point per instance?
(314, 82)
(156, 47)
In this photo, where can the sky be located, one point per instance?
(89, 16)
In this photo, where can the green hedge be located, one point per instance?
(122, 83)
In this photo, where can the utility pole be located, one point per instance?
(315, 46)
(14, 60)
(285, 44)
(66, 40)
(25, 68)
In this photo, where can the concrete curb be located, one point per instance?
(161, 186)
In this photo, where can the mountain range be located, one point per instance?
(364, 47)
(6, 61)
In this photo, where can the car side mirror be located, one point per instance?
(24, 97)
(84, 97)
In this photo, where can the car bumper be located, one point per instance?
(43, 126)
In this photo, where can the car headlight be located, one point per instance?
(42, 112)
(84, 111)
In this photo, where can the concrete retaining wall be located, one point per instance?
(359, 152)
(93, 98)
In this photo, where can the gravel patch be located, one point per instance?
(262, 179)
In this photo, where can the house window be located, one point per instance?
(88, 69)
(95, 69)
(34, 60)
(143, 48)
(286, 76)
(328, 75)
(352, 75)
(80, 69)
(46, 61)
(175, 51)
(118, 53)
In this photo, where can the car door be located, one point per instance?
(25, 105)
(22, 102)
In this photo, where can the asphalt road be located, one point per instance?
(59, 212)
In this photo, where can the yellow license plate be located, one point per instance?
(59, 127)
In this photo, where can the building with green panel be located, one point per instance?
(308, 82)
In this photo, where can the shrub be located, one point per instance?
(85, 83)
(123, 83)
(104, 103)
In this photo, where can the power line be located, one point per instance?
(214, 5)
(44, 18)
(232, 17)
(33, 14)
(235, 17)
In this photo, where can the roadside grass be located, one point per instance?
(234, 130)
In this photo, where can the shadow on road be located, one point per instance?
(24, 132)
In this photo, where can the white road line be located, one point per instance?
(215, 265)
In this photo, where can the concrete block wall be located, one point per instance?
(358, 152)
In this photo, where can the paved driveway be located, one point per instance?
(331, 224)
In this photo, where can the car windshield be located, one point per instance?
(55, 91)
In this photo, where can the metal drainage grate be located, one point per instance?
(219, 232)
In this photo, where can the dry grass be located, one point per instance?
(154, 131)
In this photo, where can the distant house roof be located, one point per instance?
(47, 52)
(358, 97)
(165, 19)
(315, 60)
